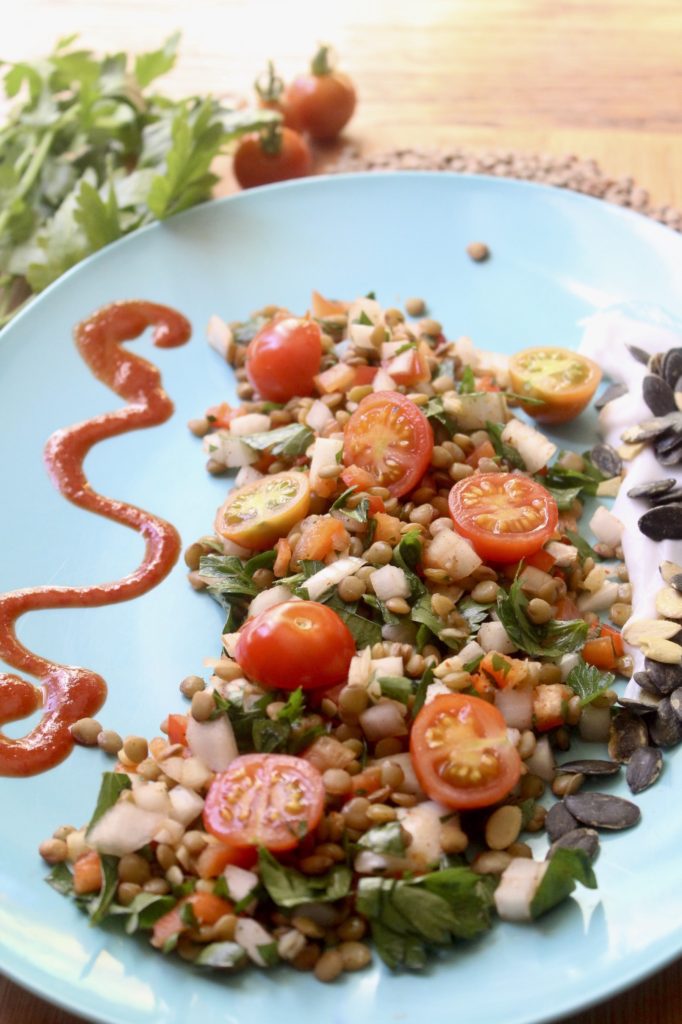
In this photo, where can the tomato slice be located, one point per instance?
(258, 514)
(506, 516)
(297, 643)
(563, 381)
(283, 358)
(319, 538)
(461, 753)
(270, 800)
(391, 439)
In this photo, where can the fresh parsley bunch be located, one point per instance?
(91, 152)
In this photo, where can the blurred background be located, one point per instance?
(599, 79)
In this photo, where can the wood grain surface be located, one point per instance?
(599, 78)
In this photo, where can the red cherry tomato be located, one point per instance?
(284, 357)
(298, 643)
(506, 516)
(390, 439)
(322, 101)
(270, 800)
(276, 155)
(270, 91)
(461, 754)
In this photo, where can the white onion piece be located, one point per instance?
(270, 599)
(541, 761)
(247, 475)
(169, 832)
(600, 600)
(331, 575)
(212, 742)
(152, 796)
(390, 581)
(436, 689)
(567, 663)
(368, 862)
(391, 665)
(249, 934)
(606, 527)
(383, 720)
(515, 706)
(452, 553)
(360, 668)
(492, 636)
(518, 885)
(424, 823)
(240, 883)
(564, 555)
(186, 805)
(219, 335)
(249, 423)
(318, 416)
(383, 381)
(123, 829)
(186, 771)
(532, 446)
(410, 783)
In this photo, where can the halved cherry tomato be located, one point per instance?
(276, 154)
(206, 908)
(391, 439)
(270, 800)
(562, 380)
(319, 538)
(284, 357)
(258, 514)
(298, 643)
(322, 101)
(461, 754)
(506, 516)
(600, 652)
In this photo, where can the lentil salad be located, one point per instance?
(490, 657)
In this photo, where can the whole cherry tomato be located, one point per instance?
(284, 357)
(275, 155)
(270, 91)
(322, 101)
(298, 643)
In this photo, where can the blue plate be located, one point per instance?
(556, 257)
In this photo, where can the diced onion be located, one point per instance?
(390, 581)
(383, 381)
(219, 335)
(383, 720)
(124, 828)
(600, 600)
(186, 805)
(452, 553)
(318, 416)
(247, 475)
(250, 423)
(251, 935)
(516, 706)
(517, 887)
(270, 599)
(541, 761)
(212, 742)
(532, 446)
(331, 575)
(492, 636)
(606, 527)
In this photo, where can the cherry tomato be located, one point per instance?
(562, 380)
(270, 800)
(276, 155)
(461, 754)
(284, 357)
(298, 643)
(258, 514)
(322, 101)
(391, 439)
(270, 91)
(506, 516)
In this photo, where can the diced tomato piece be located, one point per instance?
(321, 307)
(364, 375)
(410, 367)
(177, 729)
(486, 383)
(503, 671)
(366, 782)
(483, 686)
(567, 609)
(484, 450)
(282, 559)
(375, 504)
(600, 653)
(388, 528)
(540, 560)
(616, 639)
(213, 859)
(207, 909)
(319, 538)
(220, 416)
(87, 873)
(339, 377)
(353, 476)
(550, 701)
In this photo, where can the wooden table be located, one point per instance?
(600, 79)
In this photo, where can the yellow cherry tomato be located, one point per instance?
(563, 381)
(258, 514)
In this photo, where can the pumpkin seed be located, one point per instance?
(602, 810)
(639, 354)
(590, 766)
(671, 366)
(559, 821)
(645, 704)
(585, 839)
(663, 678)
(644, 768)
(626, 734)
(672, 496)
(650, 429)
(666, 727)
(652, 489)
(609, 394)
(607, 460)
(658, 395)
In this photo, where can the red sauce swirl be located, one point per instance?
(68, 692)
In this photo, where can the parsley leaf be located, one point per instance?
(550, 640)
(585, 550)
(588, 682)
(423, 612)
(435, 410)
(503, 450)
(226, 955)
(420, 692)
(406, 556)
(384, 839)
(359, 513)
(112, 785)
(288, 887)
(467, 383)
(289, 442)
(564, 869)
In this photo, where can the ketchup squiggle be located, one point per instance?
(67, 693)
